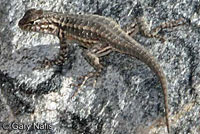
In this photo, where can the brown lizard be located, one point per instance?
(97, 34)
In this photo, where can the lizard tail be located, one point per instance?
(136, 50)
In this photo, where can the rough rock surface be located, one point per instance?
(127, 97)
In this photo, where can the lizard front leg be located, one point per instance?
(59, 60)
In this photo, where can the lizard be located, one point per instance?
(98, 35)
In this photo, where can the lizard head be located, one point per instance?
(31, 19)
(37, 21)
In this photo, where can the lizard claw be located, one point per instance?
(85, 78)
(46, 63)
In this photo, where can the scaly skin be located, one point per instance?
(90, 30)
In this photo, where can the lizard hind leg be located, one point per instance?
(140, 25)
(92, 56)
(146, 30)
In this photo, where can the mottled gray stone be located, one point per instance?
(127, 98)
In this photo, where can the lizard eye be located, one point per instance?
(31, 22)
